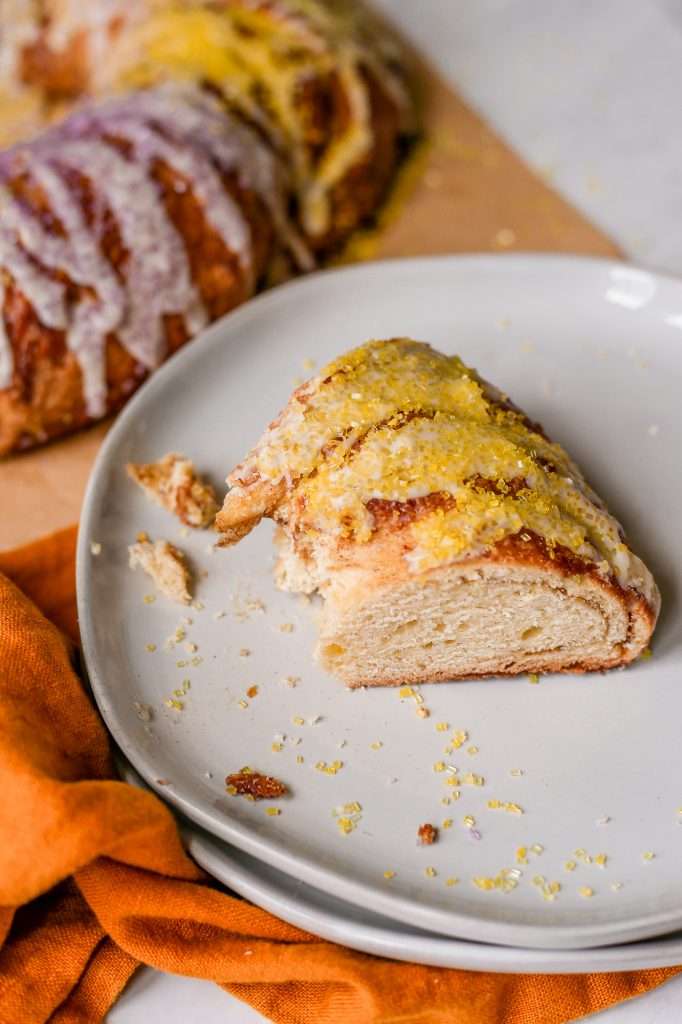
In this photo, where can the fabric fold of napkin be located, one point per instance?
(94, 880)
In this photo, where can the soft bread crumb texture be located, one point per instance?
(167, 567)
(448, 536)
(173, 483)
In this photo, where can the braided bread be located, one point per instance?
(319, 78)
(123, 231)
(448, 536)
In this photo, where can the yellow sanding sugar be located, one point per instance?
(421, 423)
(505, 880)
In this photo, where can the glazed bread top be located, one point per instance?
(394, 434)
(87, 237)
(299, 69)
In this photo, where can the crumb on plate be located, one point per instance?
(247, 782)
(166, 565)
(173, 483)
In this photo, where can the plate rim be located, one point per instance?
(461, 925)
(225, 864)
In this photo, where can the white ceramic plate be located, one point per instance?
(590, 348)
(353, 926)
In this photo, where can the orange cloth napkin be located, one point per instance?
(94, 880)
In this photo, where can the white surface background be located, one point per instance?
(589, 93)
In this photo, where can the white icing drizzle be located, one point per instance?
(45, 295)
(190, 132)
(80, 257)
(93, 317)
(197, 119)
(157, 267)
(222, 211)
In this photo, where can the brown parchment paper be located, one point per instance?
(466, 191)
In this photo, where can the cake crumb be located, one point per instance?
(172, 482)
(247, 782)
(143, 711)
(427, 834)
(166, 565)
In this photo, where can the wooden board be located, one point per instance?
(466, 192)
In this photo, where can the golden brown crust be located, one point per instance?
(358, 195)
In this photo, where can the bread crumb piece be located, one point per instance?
(273, 811)
(244, 652)
(389, 874)
(150, 648)
(427, 834)
(143, 711)
(95, 548)
(286, 627)
(586, 891)
(248, 782)
(172, 483)
(166, 565)
(430, 872)
(252, 691)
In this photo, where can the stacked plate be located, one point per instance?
(560, 850)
